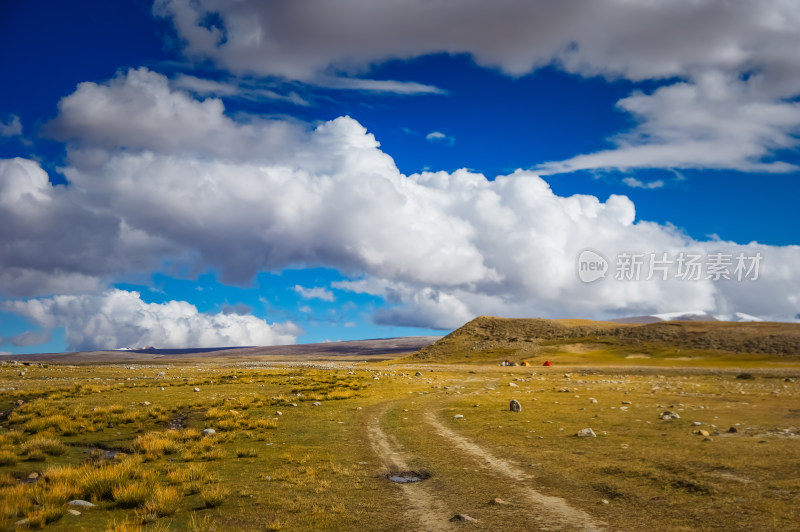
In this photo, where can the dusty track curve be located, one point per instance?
(553, 509)
(427, 511)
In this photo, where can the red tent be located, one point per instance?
(547, 363)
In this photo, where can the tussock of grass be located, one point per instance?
(213, 496)
(8, 458)
(163, 501)
(131, 495)
(43, 444)
(246, 453)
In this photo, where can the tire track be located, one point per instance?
(555, 509)
(429, 513)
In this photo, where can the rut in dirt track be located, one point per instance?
(428, 512)
(554, 510)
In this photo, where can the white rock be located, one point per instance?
(458, 416)
(586, 433)
(197, 389)
(208, 432)
(80, 503)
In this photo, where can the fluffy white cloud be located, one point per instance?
(51, 243)
(118, 319)
(318, 292)
(138, 110)
(715, 122)
(738, 61)
(637, 40)
(440, 247)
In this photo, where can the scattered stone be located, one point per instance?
(745, 376)
(20, 402)
(586, 433)
(33, 476)
(733, 430)
(208, 432)
(668, 415)
(80, 503)
(278, 413)
(475, 405)
(316, 403)
(162, 388)
(197, 389)
(515, 406)
(602, 501)
(146, 403)
(788, 379)
(458, 416)
(418, 374)
(696, 423)
(463, 518)
(76, 513)
(627, 403)
(292, 404)
(593, 400)
(498, 502)
(23, 523)
(21, 373)
(161, 374)
(707, 438)
(702, 433)
(512, 384)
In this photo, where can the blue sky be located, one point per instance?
(233, 173)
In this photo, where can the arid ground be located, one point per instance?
(694, 437)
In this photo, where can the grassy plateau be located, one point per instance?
(309, 445)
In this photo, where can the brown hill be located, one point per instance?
(491, 339)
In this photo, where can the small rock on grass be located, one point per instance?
(514, 406)
(316, 403)
(197, 389)
(458, 416)
(76, 513)
(208, 432)
(463, 518)
(498, 501)
(80, 503)
(586, 433)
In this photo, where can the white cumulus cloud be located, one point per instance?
(117, 319)
(440, 247)
(734, 106)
